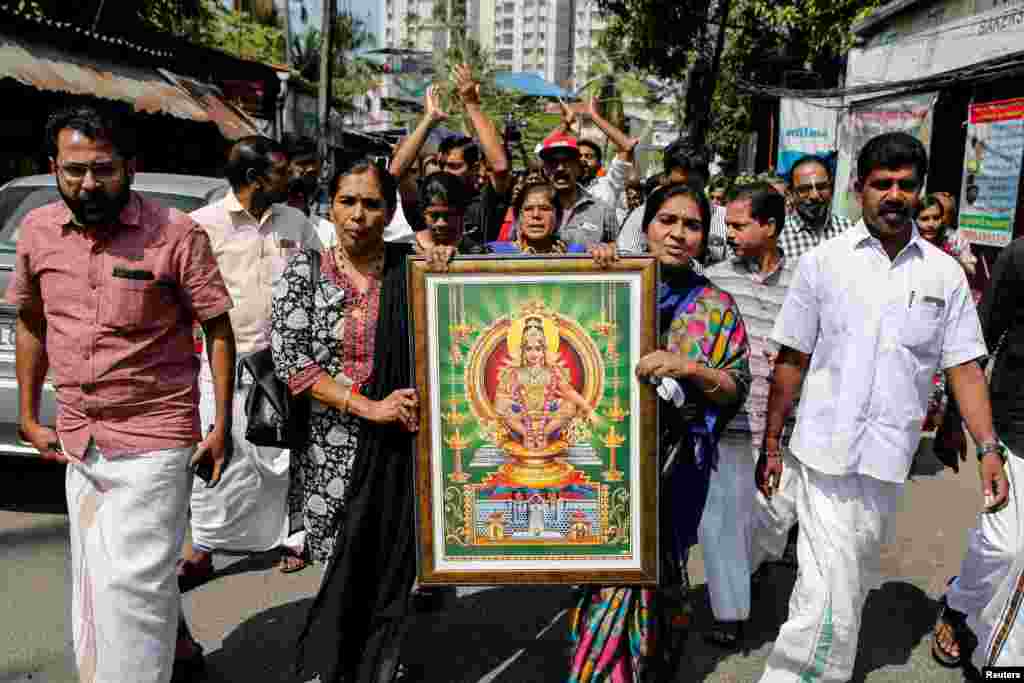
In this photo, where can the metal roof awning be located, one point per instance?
(233, 123)
(46, 68)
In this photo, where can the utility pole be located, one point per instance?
(324, 108)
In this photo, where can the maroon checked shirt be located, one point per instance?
(119, 304)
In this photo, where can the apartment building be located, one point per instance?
(588, 24)
(552, 38)
(409, 24)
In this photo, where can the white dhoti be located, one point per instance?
(725, 527)
(843, 523)
(127, 518)
(990, 588)
(772, 518)
(248, 509)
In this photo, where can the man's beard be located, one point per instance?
(814, 213)
(97, 208)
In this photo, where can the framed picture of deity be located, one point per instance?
(535, 455)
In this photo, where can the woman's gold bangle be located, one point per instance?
(718, 384)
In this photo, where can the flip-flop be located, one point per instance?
(287, 567)
(956, 623)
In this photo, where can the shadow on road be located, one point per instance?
(507, 634)
(32, 485)
(517, 634)
(769, 607)
(261, 648)
(896, 618)
(501, 635)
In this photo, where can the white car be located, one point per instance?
(17, 198)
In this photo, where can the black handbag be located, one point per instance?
(276, 417)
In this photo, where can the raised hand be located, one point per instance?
(466, 85)
(568, 116)
(432, 106)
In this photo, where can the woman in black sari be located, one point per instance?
(344, 340)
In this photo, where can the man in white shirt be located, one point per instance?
(252, 235)
(869, 315)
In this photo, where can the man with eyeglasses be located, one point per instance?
(811, 222)
(107, 284)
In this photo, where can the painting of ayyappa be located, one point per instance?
(534, 379)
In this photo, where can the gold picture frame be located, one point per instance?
(535, 458)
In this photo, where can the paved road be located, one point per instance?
(249, 615)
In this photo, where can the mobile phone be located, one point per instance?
(203, 470)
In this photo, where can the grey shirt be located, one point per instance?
(590, 221)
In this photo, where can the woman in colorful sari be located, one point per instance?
(626, 634)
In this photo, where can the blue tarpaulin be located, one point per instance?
(527, 83)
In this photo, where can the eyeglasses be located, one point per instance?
(101, 173)
(806, 189)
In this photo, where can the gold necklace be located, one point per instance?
(342, 260)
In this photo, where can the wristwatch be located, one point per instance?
(989, 447)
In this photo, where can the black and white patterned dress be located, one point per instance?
(329, 328)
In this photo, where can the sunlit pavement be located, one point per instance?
(249, 615)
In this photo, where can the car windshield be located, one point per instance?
(15, 202)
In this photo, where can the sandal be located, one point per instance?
(953, 625)
(725, 634)
(292, 562)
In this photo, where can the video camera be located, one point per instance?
(513, 129)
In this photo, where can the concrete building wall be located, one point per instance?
(531, 35)
(395, 20)
(588, 24)
(919, 17)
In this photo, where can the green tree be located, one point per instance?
(352, 75)
(764, 40)
(252, 33)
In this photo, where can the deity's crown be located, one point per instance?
(534, 317)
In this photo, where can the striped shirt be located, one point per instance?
(759, 297)
(632, 239)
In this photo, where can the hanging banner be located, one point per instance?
(992, 160)
(805, 127)
(910, 114)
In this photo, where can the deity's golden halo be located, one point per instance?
(500, 330)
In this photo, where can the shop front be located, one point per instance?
(959, 87)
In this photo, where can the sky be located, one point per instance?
(367, 10)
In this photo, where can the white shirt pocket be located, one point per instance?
(922, 327)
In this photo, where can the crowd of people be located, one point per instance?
(766, 299)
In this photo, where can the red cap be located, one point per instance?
(559, 141)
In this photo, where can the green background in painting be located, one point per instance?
(484, 303)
